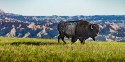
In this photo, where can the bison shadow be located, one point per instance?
(34, 43)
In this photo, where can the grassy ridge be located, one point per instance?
(48, 50)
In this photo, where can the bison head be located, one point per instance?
(94, 30)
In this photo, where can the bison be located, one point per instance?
(79, 29)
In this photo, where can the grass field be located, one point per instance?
(48, 50)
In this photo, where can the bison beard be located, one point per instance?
(80, 29)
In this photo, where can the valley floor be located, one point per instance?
(48, 50)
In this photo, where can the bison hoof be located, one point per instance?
(82, 43)
(64, 43)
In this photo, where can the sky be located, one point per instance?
(63, 7)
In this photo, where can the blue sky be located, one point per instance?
(64, 7)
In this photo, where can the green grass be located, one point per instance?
(48, 50)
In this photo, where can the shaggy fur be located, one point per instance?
(79, 29)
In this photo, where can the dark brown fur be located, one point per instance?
(83, 31)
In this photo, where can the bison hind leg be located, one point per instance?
(59, 38)
(62, 37)
(63, 40)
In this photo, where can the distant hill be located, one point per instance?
(14, 25)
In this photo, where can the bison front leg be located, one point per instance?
(93, 38)
(74, 39)
(82, 40)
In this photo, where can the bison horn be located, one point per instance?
(91, 27)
